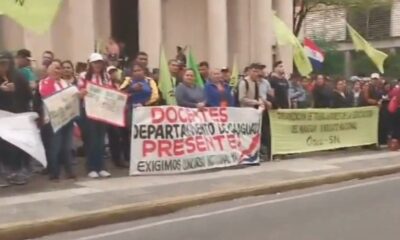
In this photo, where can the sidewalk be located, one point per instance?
(89, 203)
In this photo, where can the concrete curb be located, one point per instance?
(24, 230)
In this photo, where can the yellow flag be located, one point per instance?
(360, 44)
(235, 73)
(285, 36)
(36, 15)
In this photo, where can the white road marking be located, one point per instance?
(234, 209)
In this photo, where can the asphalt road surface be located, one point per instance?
(357, 210)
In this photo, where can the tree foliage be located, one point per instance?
(303, 7)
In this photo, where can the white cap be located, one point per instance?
(109, 68)
(375, 75)
(94, 57)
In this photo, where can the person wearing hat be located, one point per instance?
(94, 131)
(114, 133)
(23, 60)
(15, 96)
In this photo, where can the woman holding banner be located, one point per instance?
(94, 131)
(142, 91)
(58, 144)
(188, 94)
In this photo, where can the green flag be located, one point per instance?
(192, 63)
(360, 44)
(166, 83)
(36, 15)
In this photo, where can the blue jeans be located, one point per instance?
(94, 135)
(59, 149)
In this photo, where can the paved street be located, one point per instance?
(357, 210)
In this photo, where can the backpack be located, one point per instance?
(236, 91)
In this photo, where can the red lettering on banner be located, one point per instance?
(185, 115)
(219, 139)
(172, 115)
(157, 115)
(223, 113)
(164, 148)
(201, 145)
(214, 114)
(178, 148)
(148, 147)
(191, 146)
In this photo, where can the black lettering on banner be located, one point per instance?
(218, 160)
(159, 166)
(193, 163)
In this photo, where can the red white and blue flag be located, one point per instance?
(314, 53)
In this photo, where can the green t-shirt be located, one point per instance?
(28, 74)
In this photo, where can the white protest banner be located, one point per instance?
(105, 105)
(172, 139)
(21, 131)
(62, 107)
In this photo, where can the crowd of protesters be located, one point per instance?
(23, 88)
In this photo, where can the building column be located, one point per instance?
(261, 28)
(284, 11)
(348, 71)
(82, 36)
(150, 29)
(218, 33)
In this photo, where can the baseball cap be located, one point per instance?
(111, 68)
(95, 57)
(4, 57)
(375, 75)
(24, 53)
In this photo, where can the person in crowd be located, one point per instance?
(180, 56)
(217, 91)
(142, 91)
(15, 96)
(339, 96)
(394, 111)
(112, 48)
(204, 69)
(266, 94)
(47, 58)
(297, 93)
(308, 100)
(156, 74)
(384, 115)
(80, 67)
(115, 134)
(374, 96)
(93, 132)
(141, 88)
(173, 66)
(226, 75)
(23, 60)
(58, 144)
(188, 94)
(280, 85)
(142, 59)
(114, 61)
(249, 89)
(68, 72)
(322, 93)
(356, 94)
